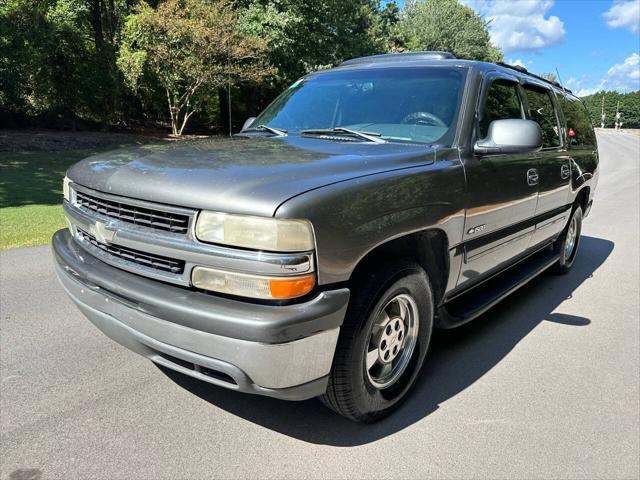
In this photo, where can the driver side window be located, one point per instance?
(502, 102)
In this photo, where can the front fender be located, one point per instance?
(353, 217)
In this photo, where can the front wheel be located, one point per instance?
(383, 342)
(567, 244)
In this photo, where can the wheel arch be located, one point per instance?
(582, 198)
(429, 248)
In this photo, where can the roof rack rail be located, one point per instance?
(395, 57)
(521, 69)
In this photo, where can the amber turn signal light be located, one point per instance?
(254, 286)
(291, 287)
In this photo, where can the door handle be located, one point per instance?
(565, 171)
(532, 177)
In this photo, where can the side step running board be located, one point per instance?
(478, 300)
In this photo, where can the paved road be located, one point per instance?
(544, 385)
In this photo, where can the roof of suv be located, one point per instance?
(426, 58)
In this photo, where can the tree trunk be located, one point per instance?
(174, 113)
(96, 24)
(185, 119)
(101, 19)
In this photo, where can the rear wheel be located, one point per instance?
(383, 342)
(567, 244)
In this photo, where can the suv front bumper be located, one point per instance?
(279, 351)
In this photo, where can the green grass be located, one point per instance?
(31, 195)
(29, 225)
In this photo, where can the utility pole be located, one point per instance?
(602, 115)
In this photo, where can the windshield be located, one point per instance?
(399, 104)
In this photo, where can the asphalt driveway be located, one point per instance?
(544, 385)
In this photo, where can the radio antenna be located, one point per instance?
(229, 91)
(229, 103)
(559, 78)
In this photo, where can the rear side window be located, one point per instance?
(579, 129)
(502, 103)
(541, 111)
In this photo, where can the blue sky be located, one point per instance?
(595, 44)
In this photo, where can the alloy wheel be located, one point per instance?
(392, 341)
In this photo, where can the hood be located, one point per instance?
(248, 175)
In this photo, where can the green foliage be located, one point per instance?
(629, 108)
(119, 62)
(42, 55)
(303, 36)
(53, 61)
(189, 48)
(448, 26)
(383, 29)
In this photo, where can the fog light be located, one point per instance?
(253, 286)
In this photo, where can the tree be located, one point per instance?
(446, 25)
(629, 108)
(189, 48)
(304, 35)
(382, 28)
(45, 60)
(57, 59)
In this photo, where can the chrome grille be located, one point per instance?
(156, 262)
(157, 219)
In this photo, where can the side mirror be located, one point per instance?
(510, 136)
(247, 123)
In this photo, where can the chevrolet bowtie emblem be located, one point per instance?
(102, 232)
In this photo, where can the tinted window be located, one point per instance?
(541, 110)
(579, 129)
(502, 103)
(401, 104)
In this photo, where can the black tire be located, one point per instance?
(350, 392)
(560, 246)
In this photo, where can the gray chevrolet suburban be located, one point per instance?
(313, 254)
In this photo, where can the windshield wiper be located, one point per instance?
(280, 132)
(368, 136)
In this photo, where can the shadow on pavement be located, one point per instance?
(457, 359)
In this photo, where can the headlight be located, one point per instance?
(259, 233)
(65, 188)
(253, 286)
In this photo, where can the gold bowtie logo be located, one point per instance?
(102, 232)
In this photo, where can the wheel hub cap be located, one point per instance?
(391, 340)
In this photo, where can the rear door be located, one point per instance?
(502, 190)
(553, 163)
(581, 142)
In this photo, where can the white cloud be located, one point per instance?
(580, 86)
(520, 25)
(621, 77)
(517, 62)
(624, 14)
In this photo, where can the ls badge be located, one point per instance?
(477, 229)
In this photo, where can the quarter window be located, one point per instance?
(502, 103)
(579, 130)
(541, 111)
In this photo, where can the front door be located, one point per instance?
(502, 190)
